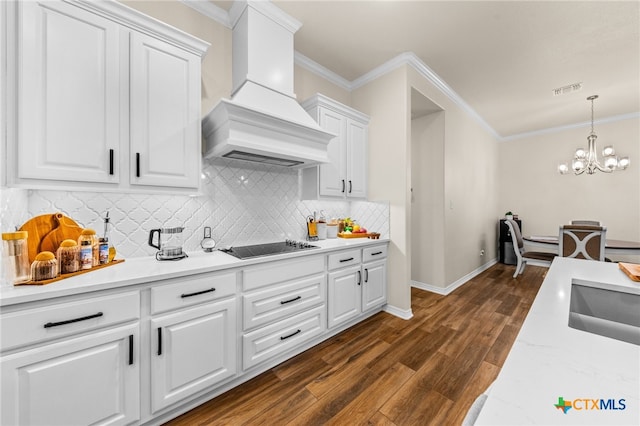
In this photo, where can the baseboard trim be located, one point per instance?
(404, 314)
(451, 287)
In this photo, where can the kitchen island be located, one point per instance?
(551, 364)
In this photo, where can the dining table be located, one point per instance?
(611, 246)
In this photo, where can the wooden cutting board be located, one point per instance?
(38, 228)
(66, 229)
(631, 269)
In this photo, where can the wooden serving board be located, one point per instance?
(72, 274)
(66, 229)
(359, 235)
(631, 269)
(38, 228)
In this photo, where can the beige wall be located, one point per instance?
(307, 84)
(387, 101)
(530, 186)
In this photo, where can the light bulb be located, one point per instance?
(608, 151)
(581, 153)
(610, 162)
(623, 163)
(563, 168)
(577, 165)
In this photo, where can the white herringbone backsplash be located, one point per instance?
(243, 203)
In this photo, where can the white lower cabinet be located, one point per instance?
(344, 295)
(193, 349)
(74, 362)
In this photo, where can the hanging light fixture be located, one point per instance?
(587, 160)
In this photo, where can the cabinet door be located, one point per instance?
(332, 175)
(192, 350)
(356, 160)
(93, 379)
(68, 98)
(374, 286)
(344, 295)
(165, 114)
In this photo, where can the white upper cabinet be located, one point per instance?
(69, 102)
(345, 176)
(106, 97)
(165, 120)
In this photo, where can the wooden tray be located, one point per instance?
(362, 235)
(631, 269)
(63, 276)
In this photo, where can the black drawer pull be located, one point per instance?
(159, 341)
(198, 292)
(346, 260)
(343, 186)
(111, 161)
(291, 335)
(55, 324)
(284, 302)
(366, 275)
(137, 164)
(350, 187)
(359, 277)
(131, 349)
(376, 253)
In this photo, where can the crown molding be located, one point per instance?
(209, 10)
(321, 71)
(557, 129)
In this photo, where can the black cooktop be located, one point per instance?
(267, 249)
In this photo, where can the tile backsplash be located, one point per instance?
(243, 203)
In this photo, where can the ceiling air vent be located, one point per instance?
(567, 89)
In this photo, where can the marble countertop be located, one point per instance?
(141, 270)
(549, 360)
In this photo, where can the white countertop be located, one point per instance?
(550, 360)
(145, 269)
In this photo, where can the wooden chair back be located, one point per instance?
(582, 242)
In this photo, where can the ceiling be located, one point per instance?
(503, 58)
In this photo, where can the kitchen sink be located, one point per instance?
(604, 311)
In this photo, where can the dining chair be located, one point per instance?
(586, 222)
(582, 242)
(521, 255)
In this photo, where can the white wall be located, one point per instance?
(530, 186)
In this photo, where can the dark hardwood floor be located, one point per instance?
(388, 371)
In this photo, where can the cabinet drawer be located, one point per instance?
(344, 258)
(192, 290)
(274, 303)
(273, 340)
(374, 253)
(277, 272)
(51, 322)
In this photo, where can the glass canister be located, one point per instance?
(68, 257)
(15, 256)
(90, 235)
(44, 267)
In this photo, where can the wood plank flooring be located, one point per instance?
(388, 371)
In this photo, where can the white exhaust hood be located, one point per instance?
(263, 122)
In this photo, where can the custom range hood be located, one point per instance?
(263, 122)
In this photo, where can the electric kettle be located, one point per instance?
(169, 243)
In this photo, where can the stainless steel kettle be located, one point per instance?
(169, 243)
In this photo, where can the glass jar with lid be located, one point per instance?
(44, 267)
(94, 242)
(68, 255)
(15, 257)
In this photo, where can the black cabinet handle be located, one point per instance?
(284, 302)
(376, 253)
(343, 185)
(55, 324)
(290, 335)
(350, 187)
(159, 341)
(197, 293)
(137, 164)
(111, 161)
(346, 260)
(359, 277)
(366, 275)
(131, 349)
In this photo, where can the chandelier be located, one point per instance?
(587, 161)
